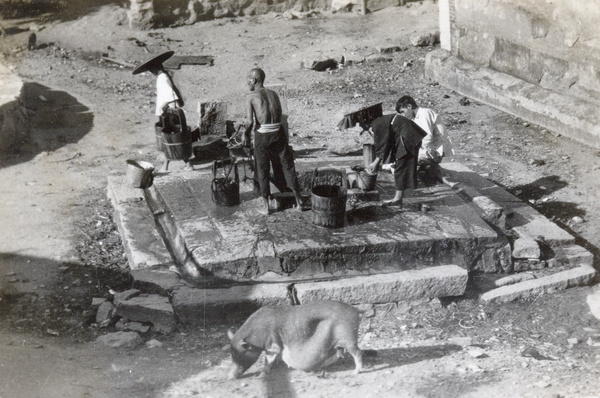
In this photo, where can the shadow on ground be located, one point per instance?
(56, 119)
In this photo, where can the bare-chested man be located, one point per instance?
(271, 146)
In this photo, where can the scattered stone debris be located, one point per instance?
(462, 341)
(477, 353)
(576, 220)
(119, 297)
(390, 49)
(530, 352)
(464, 101)
(425, 39)
(127, 326)
(126, 340)
(594, 340)
(375, 58)
(153, 344)
(537, 162)
(97, 301)
(320, 66)
(105, 314)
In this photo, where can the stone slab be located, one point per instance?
(149, 308)
(526, 247)
(142, 243)
(239, 243)
(428, 283)
(562, 280)
(521, 218)
(156, 281)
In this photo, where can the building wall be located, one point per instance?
(551, 43)
(147, 14)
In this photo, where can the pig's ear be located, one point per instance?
(230, 334)
(245, 345)
(226, 348)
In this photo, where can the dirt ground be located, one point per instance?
(59, 247)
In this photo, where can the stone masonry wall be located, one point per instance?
(146, 14)
(551, 43)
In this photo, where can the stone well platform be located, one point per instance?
(207, 257)
(223, 245)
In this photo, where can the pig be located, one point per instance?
(306, 337)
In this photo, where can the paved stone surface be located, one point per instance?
(441, 281)
(238, 243)
(378, 256)
(530, 289)
(522, 218)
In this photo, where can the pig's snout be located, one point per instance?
(235, 372)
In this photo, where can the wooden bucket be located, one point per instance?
(226, 189)
(177, 146)
(158, 136)
(328, 199)
(176, 136)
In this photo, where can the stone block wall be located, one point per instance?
(551, 43)
(145, 14)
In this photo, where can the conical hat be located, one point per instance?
(156, 61)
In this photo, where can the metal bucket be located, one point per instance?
(328, 201)
(139, 174)
(366, 180)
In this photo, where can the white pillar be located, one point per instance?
(445, 32)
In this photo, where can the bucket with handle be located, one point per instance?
(139, 174)
(366, 180)
(176, 136)
(328, 197)
(225, 189)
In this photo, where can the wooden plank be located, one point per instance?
(176, 61)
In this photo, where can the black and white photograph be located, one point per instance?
(299, 198)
